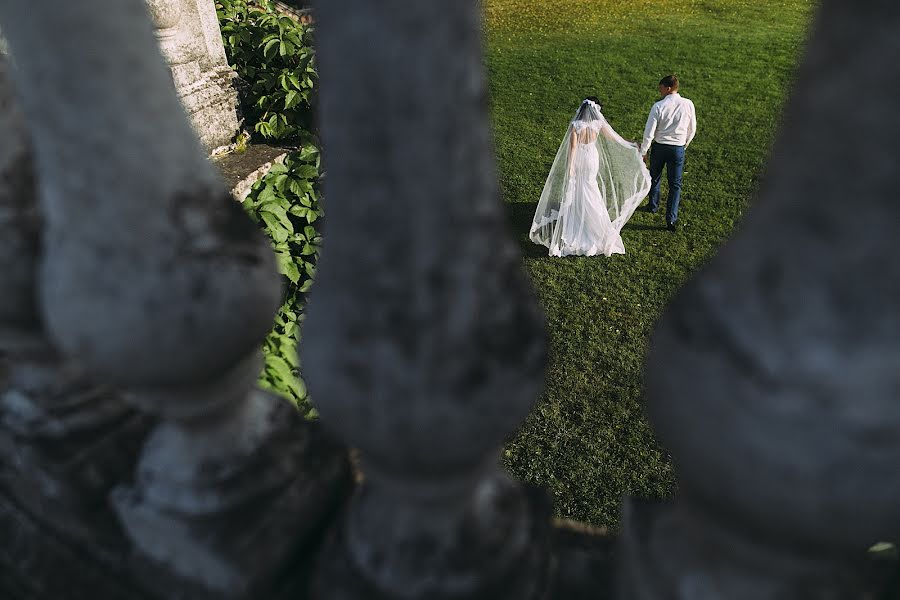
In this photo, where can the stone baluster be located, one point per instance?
(154, 280)
(57, 428)
(773, 378)
(423, 346)
(188, 35)
(19, 222)
(166, 15)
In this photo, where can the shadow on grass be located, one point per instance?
(520, 216)
(643, 227)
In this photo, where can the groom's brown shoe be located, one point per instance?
(672, 227)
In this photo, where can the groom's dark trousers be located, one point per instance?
(672, 158)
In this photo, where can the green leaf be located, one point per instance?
(294, 187)
(274, 227)
(284, 259)
(280, 181)
(300, 187)
(268, 193)
(309, 153)
(277, 169)
(280, 368)
(294, 38)
(292, 272)
(307, 172)
(290, 329)
(270, 48)
(264, 129)
(298, 386)
(292, 99)
(281, 214)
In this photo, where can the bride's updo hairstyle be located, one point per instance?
(583, 113)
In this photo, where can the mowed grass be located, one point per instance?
(587, 440)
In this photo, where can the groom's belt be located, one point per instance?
(655, 143)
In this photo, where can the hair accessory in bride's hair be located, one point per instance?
(590, 103)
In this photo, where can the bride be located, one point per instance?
(594, 186)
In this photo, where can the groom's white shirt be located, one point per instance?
(672, 121)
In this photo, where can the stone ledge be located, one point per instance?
(295, 10)
(242, 169)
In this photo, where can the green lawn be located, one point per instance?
(586, 439)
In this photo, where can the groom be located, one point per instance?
(670, 128)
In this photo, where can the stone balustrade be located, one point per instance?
(140, 461)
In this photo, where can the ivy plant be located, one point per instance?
(287, 204)
(273, 55)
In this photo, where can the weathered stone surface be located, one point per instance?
(19, 220)
(447, 355)
(245, 514)
(295, 10)
(155, 281)
(35, 564)
(105, 565)
(66, 441)
(246, 552)
(190, 39)
(241, 170)
(179, 258)
(669, 551)
(434, 553)
(583, 562)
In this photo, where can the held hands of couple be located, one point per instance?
(638, 148)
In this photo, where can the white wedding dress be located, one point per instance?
(595, 184)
